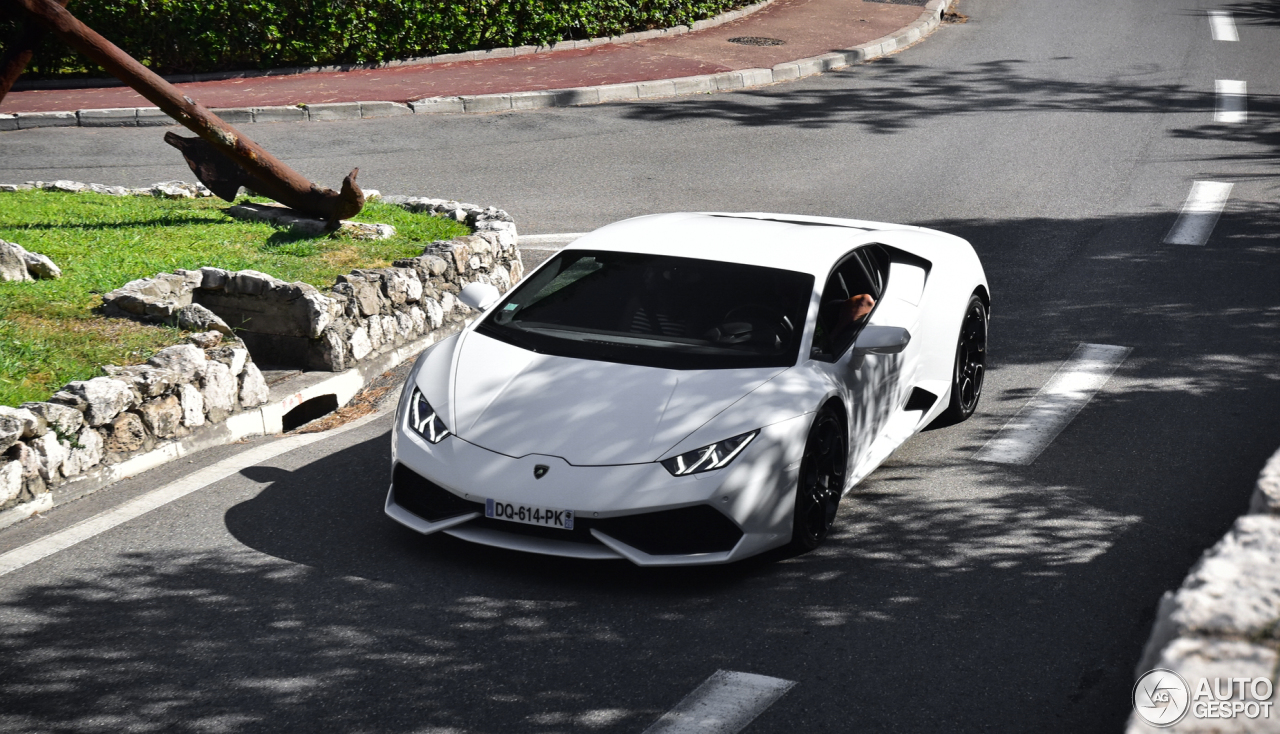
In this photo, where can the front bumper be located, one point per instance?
(634, 511)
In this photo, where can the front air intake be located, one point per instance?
(425, 498)
(688, 530)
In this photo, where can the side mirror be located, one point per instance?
(882, 339)
(479, 295)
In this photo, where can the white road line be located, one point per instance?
(724, 704)
(1030, 431)
(1222, 25)
(141, 505)
(1199, 213)
(548, 241)
(1231, 101)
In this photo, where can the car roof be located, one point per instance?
(789, 242)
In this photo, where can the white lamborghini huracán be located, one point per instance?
(688, 388)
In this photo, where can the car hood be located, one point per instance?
(516, 402)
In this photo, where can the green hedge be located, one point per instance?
(185, 36)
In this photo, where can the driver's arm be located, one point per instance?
(854, 310)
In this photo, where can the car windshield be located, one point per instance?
(656, 311)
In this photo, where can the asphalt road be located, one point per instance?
(1060, 138)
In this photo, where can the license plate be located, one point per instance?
(561, 519)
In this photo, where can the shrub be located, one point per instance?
(186, 36)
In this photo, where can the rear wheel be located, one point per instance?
(822, 477)
(970, 367)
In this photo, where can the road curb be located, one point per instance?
(481, 55)
(924, 25)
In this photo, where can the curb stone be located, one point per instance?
(740, 79)
(495, 53)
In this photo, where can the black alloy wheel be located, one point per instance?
(822, 478)
(971, 362)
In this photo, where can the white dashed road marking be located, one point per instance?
(724, 704)
(1222, 25)
(141, 505)
(1199, 213)
(548, 241)
(1231, 101)
(1030, 431)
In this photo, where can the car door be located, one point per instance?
(860, 376)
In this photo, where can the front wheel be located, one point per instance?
(822, 477)
(971, 363)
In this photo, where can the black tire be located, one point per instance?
(970, 367)
(822, 479)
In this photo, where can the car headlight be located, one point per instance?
(716, 456)
(424, 419)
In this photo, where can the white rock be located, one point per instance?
(239, 358)
(192, 405)
(86, 456)
(104, 398)
(319, 312)
(404, 325)
(501, 278)
(333, 351)
(10, 480)
(448, 302)
(413, 292)
(376, 336)
(419, 318)
(185, 360)
(1235, 588)
(32, 424)
(13, 263)
(389, 330)
(1266, 496)
(253, 388)
(218, 388)
(360, 346)
(40, 266)
(194, 317)
(52, 454)
(435, 314)
(63, 418)
(172, 190)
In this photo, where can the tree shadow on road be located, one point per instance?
(890, 96)
(1019, 597)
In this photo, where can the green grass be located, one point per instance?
(50, 333)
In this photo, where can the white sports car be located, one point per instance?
(688, 388)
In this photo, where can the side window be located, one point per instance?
(851, 292)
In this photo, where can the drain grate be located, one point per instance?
(757, 41)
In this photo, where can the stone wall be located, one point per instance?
(1224, 621)
(109, 419)
(365, 312)
(242, 319)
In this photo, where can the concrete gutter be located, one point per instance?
(927, 22)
